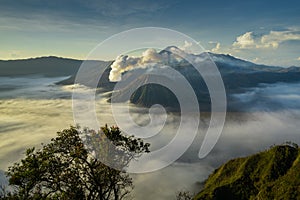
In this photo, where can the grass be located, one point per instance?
(272, 174)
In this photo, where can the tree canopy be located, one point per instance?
(69, 166)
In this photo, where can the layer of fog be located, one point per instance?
(31, 87)
(32, 114)
(270, 97)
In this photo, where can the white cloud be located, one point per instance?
(186, 46)
(191, 47)
(274, 38)
(244, 41)
(126, 63)
(298, 58)
(271, 40)
(217, 47)
(150, 59)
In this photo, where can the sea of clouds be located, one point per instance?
(33, 109)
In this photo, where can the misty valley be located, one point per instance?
(263, 109)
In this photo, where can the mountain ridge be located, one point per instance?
(81, 60)
(238, 76)
(236, 79)
(44, 66)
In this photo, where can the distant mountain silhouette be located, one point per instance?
(57, 67)
(46, 66)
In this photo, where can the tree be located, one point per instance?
(65, 169)
(184, 195)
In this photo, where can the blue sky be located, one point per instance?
(262, 31)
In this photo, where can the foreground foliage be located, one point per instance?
(273, 174)
(64, 169)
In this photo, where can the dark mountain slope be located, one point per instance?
(238, 75)
(91, 73)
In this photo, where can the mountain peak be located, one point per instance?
(172, 47)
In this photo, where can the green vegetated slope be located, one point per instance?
(272, 174)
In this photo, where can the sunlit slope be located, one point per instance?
(273, 174)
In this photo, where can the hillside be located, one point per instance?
(272, 174)
(90, 73)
